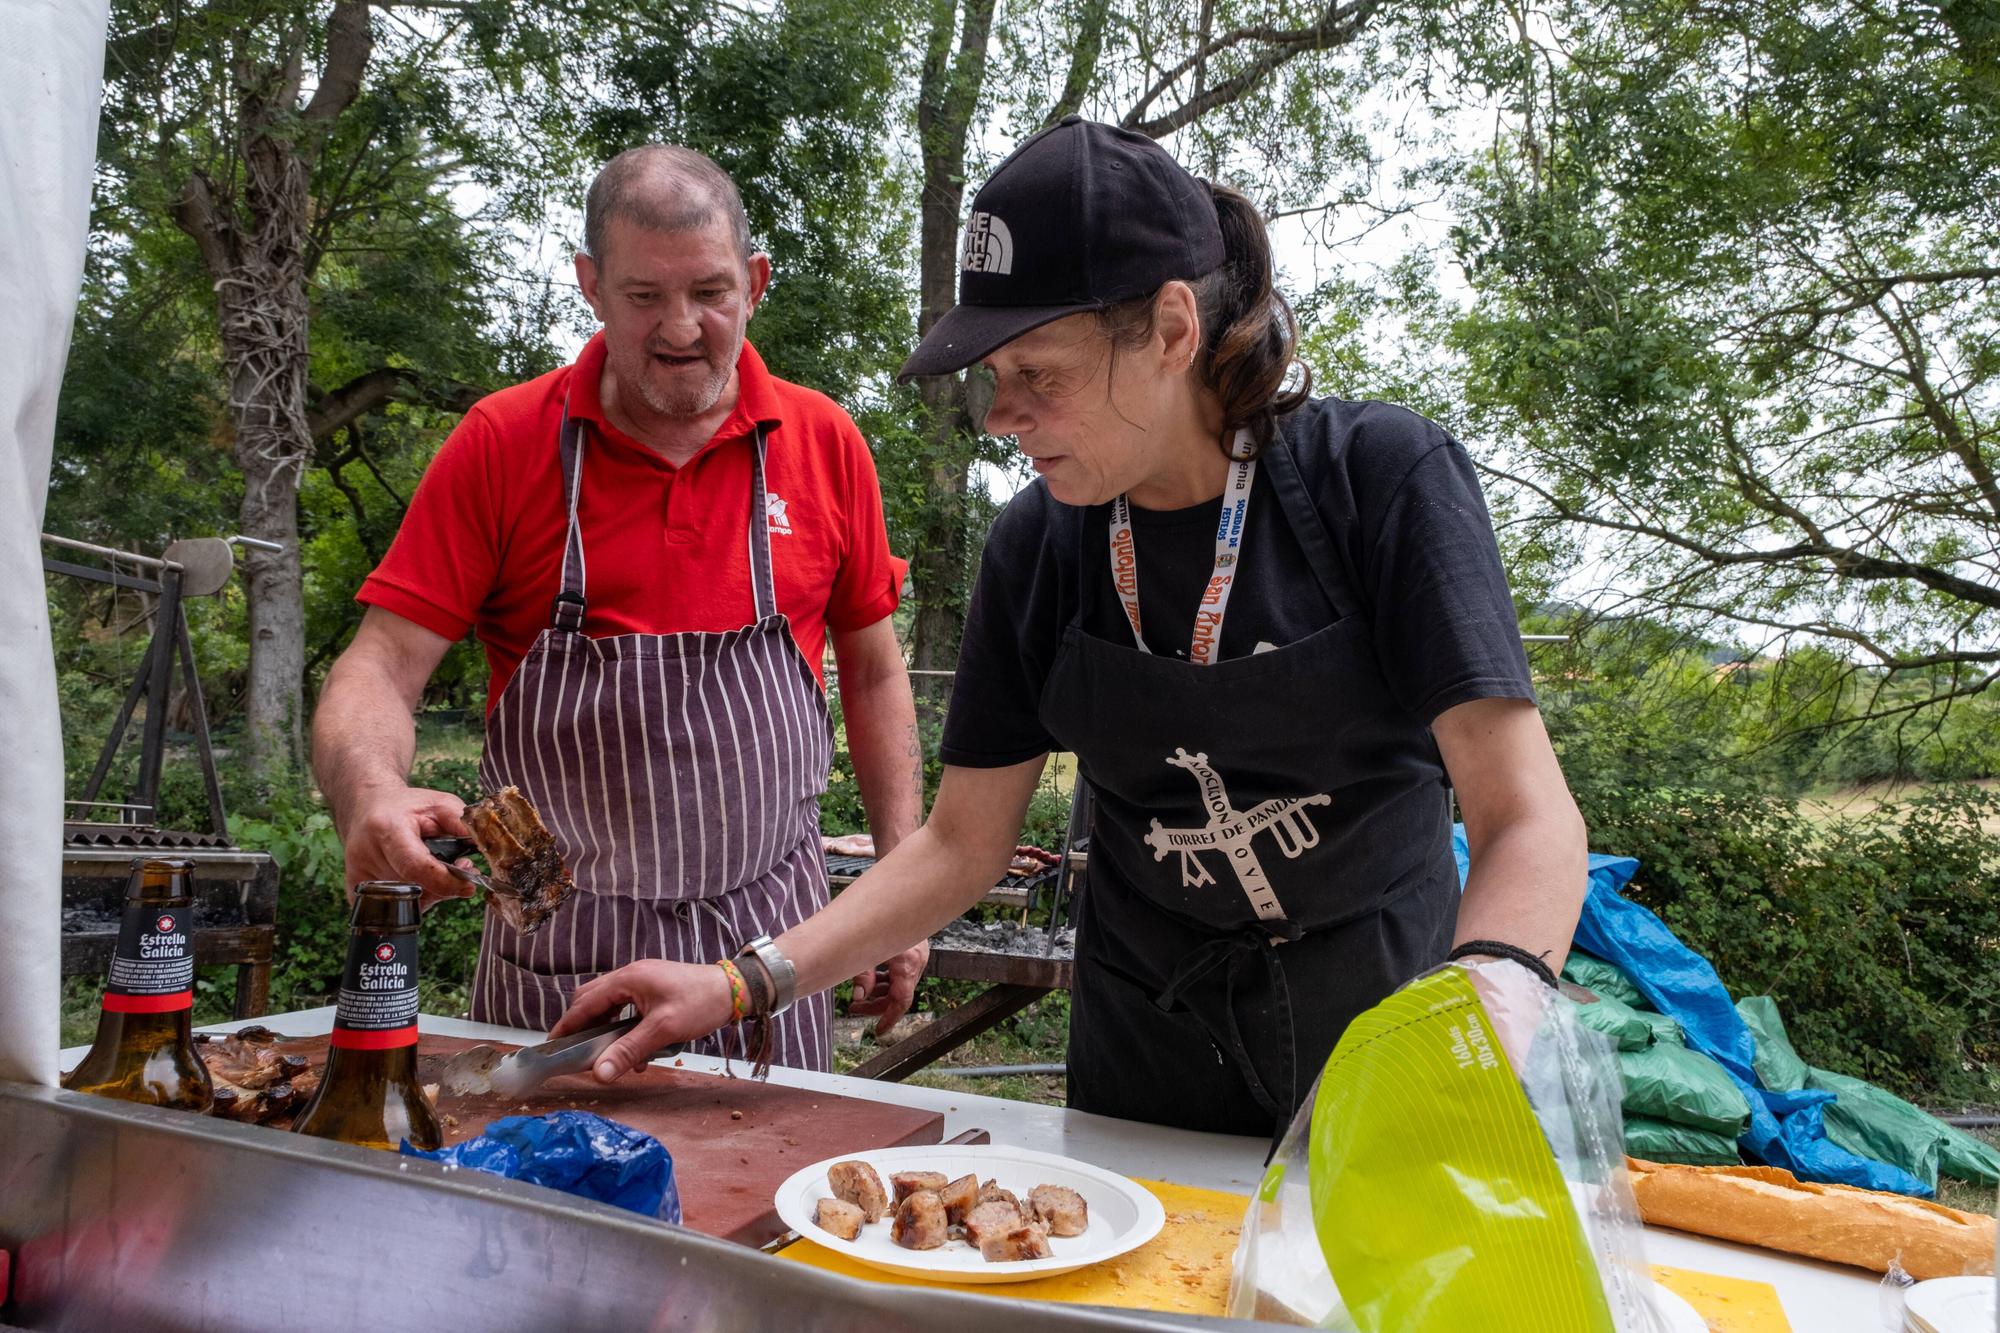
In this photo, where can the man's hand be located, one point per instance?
(678, 1002)
(384, 839)
(886, 992)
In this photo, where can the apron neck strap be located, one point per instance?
(763, 587)
(571, 603)
(567, 614)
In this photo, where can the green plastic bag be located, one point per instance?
(1673, 1083)
(1866, 1119)
(1663, 1141)
(1664, 1028)
(1593, 973)
(1778, 1066)
(1427, 1187)
(1624, 1025)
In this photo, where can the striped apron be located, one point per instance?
(680, 775)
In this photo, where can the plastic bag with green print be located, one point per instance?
(1425, 1185)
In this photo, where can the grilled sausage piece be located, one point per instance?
(838, 1216)
(906, 1183)
(992, 1192)
(920, 1223)
(959, 1197)
(993, 1218)
(1023, 1242)
(857, 1183)
(1060, 1209)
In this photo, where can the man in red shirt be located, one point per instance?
(654, 546)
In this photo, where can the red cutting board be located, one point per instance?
(734, 1140)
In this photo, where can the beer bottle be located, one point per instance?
(369, 1093)
(144, 1051)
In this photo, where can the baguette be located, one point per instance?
(1764, 1206)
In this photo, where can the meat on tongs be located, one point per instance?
(529, 880)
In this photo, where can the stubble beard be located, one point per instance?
(670, 401)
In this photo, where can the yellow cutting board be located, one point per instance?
(1729, 1304)
(1183, 1270)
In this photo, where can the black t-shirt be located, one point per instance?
(1402, 503)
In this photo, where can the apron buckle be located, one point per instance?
(566, 612)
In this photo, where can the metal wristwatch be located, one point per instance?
(784, 976)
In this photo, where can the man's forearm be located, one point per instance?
(881, 723)
(364, 736)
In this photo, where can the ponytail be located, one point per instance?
(1249, 336)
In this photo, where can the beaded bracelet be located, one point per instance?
(739, 989)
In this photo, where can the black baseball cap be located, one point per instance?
(1080, 217)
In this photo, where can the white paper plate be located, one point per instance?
(1676, 1315)
(1951, 1304)
(1123, 1214)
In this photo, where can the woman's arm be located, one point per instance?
(932, 876)
(1529, 864)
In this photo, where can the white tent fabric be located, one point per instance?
(51, 70)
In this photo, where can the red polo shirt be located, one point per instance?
(665, 547)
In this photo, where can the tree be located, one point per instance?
(1736, 321)
(306, 151)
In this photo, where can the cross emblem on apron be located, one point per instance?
(1233, 833)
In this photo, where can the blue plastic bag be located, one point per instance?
(1786, 1128)
(575, 1152)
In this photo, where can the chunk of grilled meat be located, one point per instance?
(523, 856)
(993, 1217)
(1060, 1209)
(857, 1183)
(839, 1217)
(906, 1183)
(958, 1198)
(1026, 1241)
(253, 1081)
(992, 1191)
(919, 1223)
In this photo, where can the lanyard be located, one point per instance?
(1207, 640)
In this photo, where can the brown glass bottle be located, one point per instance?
(144, 1050)
(369, 1093)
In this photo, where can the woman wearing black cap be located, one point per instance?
(1270, 628)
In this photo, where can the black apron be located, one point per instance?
(1291, 772)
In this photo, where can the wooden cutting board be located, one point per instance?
(734, 1140)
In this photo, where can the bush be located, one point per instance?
(295, 827)
(1876, 934)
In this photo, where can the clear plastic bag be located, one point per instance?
(1459, 1164)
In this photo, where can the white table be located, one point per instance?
(1818, 1297)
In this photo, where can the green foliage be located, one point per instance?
(1733, 321)
(1875, 934)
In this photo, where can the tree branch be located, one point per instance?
(350, 40)
(1082, 61)
(1339, 25)
(377, 389)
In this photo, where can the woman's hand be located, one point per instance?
(677, 1001)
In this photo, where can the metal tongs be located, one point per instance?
(505, 1073)
(451, 850)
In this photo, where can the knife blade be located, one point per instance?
(513, 1073)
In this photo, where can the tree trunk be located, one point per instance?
(945, 104)
(254, 246)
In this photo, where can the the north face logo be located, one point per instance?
(989, 246)
(777, 517)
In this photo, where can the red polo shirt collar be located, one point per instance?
(756, 394)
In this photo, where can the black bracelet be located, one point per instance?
(1513, 953)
